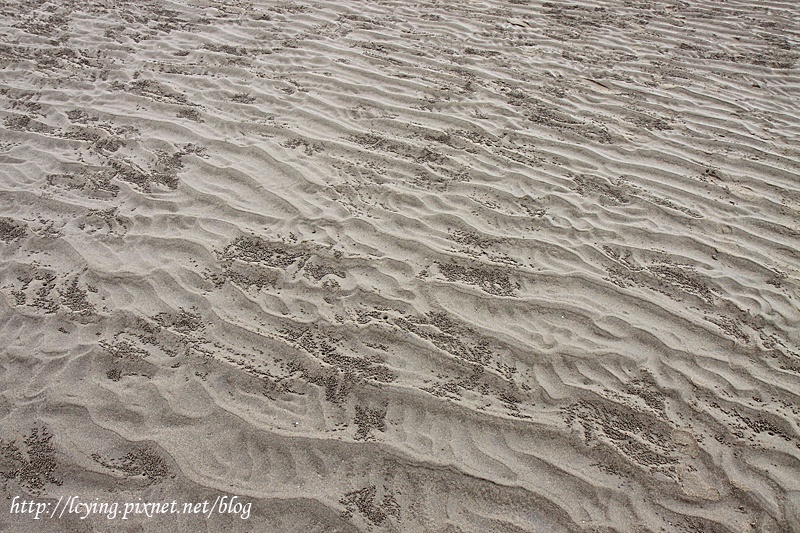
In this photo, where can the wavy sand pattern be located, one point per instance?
(387, 266)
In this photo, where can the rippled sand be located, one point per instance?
(387, 266)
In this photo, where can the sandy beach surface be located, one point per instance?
(447, 266)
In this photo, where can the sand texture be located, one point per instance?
(457, 266)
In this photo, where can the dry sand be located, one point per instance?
(450, 266)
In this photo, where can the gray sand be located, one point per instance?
(386, 266)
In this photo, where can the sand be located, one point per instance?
(384, 266)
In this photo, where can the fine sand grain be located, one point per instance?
(459, 266)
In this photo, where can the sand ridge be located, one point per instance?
(380, 266)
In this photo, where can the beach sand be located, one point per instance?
(384, 266)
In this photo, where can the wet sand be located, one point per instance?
(386, 266)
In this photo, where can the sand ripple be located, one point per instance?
(500, 266)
